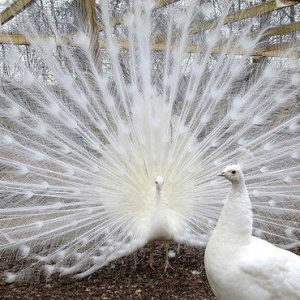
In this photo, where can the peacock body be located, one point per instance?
(81, 148)
(241, 266)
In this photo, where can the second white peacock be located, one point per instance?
(241, 266)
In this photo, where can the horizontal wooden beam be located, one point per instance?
(20, 39)
(276, 50)
(273, 50)
(16, 39)
(15, 8)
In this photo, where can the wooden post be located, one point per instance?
(88, 13)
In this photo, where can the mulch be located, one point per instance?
(120, 280)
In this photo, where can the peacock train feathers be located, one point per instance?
(83, 137)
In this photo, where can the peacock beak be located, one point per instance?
(221, 174)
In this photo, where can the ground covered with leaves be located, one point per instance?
(120, 280)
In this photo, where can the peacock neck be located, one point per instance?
(158, 202)
(235, 222)
(160, 227)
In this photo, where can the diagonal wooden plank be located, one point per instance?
(282, 29)
(243, 14)
(284, 3)
(15, 8)
(273, 31)
(163, 3)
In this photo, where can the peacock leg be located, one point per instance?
(135, 260)
(167, 264)
(151, 260)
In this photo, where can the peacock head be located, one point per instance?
(233, 173)
(159, 182)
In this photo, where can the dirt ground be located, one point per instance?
(119, 280)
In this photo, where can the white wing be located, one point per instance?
(275, 269)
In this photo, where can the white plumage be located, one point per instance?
(240, 266)
(161, 227)
(82, 143)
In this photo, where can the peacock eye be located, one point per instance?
(232, 172)
(156, 182)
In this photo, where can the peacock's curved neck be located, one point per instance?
(239, 187)
(158, 201)
(160, 227)
(235, 222)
